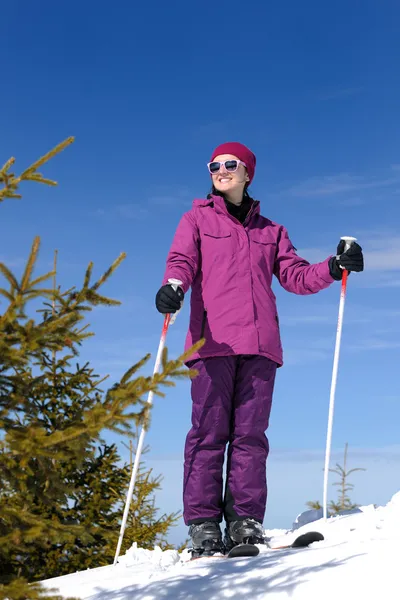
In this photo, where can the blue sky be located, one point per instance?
(148, 90)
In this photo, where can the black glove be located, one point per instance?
(351, 260)
(168, 300)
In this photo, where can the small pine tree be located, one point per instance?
(61, 485)
(344, 502)
(314, 504)
(143, 525)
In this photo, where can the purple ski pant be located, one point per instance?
(232, 397)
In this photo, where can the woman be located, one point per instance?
(227, 253)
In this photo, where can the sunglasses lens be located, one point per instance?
(231, 165)
(214, 167)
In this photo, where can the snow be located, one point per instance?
(357, 559)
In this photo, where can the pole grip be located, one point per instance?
(175, 283)
(348, 241)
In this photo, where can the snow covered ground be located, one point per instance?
(357, 560)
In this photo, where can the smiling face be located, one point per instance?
(230, 182)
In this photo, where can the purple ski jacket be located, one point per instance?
(229, 267)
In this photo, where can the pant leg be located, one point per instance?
(246, 485)
(212, 394)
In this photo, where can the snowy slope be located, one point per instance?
(357, 560)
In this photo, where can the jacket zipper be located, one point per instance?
(249, 215)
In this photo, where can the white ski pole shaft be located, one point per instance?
(168, 320)
(348, 241)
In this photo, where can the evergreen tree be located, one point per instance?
(344, 502)
(61, 486)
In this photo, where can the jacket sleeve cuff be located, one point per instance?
(335, 271)
(185, 285)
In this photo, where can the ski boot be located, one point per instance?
(246, 531)
(206, 539)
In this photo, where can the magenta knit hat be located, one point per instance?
(239, 150)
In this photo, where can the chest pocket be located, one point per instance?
(263, 249)
(217, 243)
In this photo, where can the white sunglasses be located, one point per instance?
(231, 165)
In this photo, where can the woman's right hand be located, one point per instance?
(168, 300)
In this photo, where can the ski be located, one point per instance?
(302, 541)
(243, 550)
(250, 550)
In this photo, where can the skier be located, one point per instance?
(227, 253)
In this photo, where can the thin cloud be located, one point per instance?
(380, 335)
(355, 453)
(357, 316)
(306, 455)
(374, 344)
(383, 260)
(301, 356)
(306, 319)
(133, 211)
(381, 253)
(341, 183)
(214, 130)
(168, 196)
(352, 201)
(383, 282)
(340, 93)
(313, 254)
(165, 201)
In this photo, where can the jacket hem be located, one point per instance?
(196, 356)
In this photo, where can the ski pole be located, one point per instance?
(168, 320)
(348, 242)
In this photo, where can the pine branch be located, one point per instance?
(20, 589)
(316, 505)
(12, 280)
(11, 182)
(109, 271)
(30, 264)
(354, 470)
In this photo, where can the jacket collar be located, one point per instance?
(219, 205)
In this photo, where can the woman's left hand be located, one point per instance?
(351, 260)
